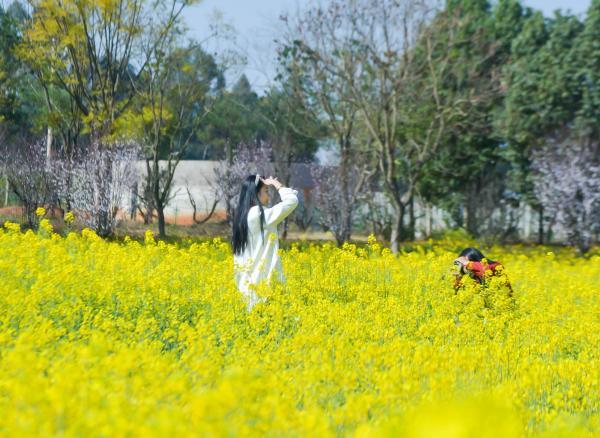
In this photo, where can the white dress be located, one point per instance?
(260, 257)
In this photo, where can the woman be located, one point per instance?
(473, 263)
(255, 239)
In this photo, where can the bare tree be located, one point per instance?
(179, 91)
(96, 194)
(336, 190)
(29, 177)
(379, 213)
(375, 68)
(567, 183)
(316, 52)
(396, 47)
(208, 212)
(387, 33)
(292, 131)
(143, 200)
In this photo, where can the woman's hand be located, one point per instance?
(461, 263)
(272, 181)
(463, 260)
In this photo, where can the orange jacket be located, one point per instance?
(477, 271)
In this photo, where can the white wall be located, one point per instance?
(200, 178)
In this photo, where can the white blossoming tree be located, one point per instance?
(97, 181)
(567, 183)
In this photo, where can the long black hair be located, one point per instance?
(473, 255)
(248, 199)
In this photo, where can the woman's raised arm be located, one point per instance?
(281, 210)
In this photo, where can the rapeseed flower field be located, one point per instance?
(103, 338)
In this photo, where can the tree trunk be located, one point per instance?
(230, 210)
(374, 227)
(133, 206)
(541, 225)
(347, 224)
(285, 229)
(548, 232)
(6, 190)
(429, 220)
(49, 139)
(161, 220)
(68, 200)
(397, 228)
(30, 217)
(229, 153)
(411, 213)
(583, 245)
(158, 202)
(471, 212)
(148, 213)
(104, 186)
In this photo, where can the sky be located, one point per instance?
(248, 28)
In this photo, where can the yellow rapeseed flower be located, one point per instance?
(149, 238)
(69, 217)
(109, 338)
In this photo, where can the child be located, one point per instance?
(473, 263)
